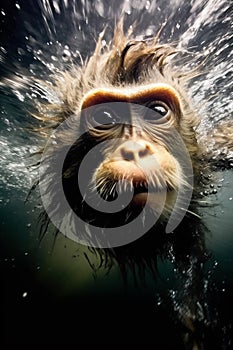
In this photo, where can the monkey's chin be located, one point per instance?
(153, 200)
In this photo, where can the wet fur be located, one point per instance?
(128, 62)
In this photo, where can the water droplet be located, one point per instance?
(17, 6)
(3, 13)
(99, 8)
(3, 49)
(24, 294)
(159, 300)
(66, 55)
(20, 51)
(19, 95)
(56, 7)
(230, 199)
(147, 5)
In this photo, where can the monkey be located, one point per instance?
(128, 102)
(132, 99)
(132, 64)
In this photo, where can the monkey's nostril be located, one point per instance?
(127, 154)
(134, 151)
(143, 152)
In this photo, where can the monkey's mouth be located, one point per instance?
(142, 188)
(141, 184)
(140, 194)
(111, 189)
(137, 191)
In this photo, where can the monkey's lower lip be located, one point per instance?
(139, 199)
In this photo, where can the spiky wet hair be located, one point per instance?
(124, 62)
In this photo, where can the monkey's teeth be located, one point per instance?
(140, 187)
(131, 186)
(113, 189)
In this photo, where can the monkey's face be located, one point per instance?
(125, 151)
(137, 128)
(124, 165)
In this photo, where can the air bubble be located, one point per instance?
(20, 51)
(147, 5)
(66, 55)
(3, 49)
(104, 43)
(159, 300)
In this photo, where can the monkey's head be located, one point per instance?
(129, 134)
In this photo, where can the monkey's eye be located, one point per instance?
(156, 111)
(104, 116)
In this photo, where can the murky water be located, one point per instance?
(59, 294)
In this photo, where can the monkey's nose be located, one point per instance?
(133, 151)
